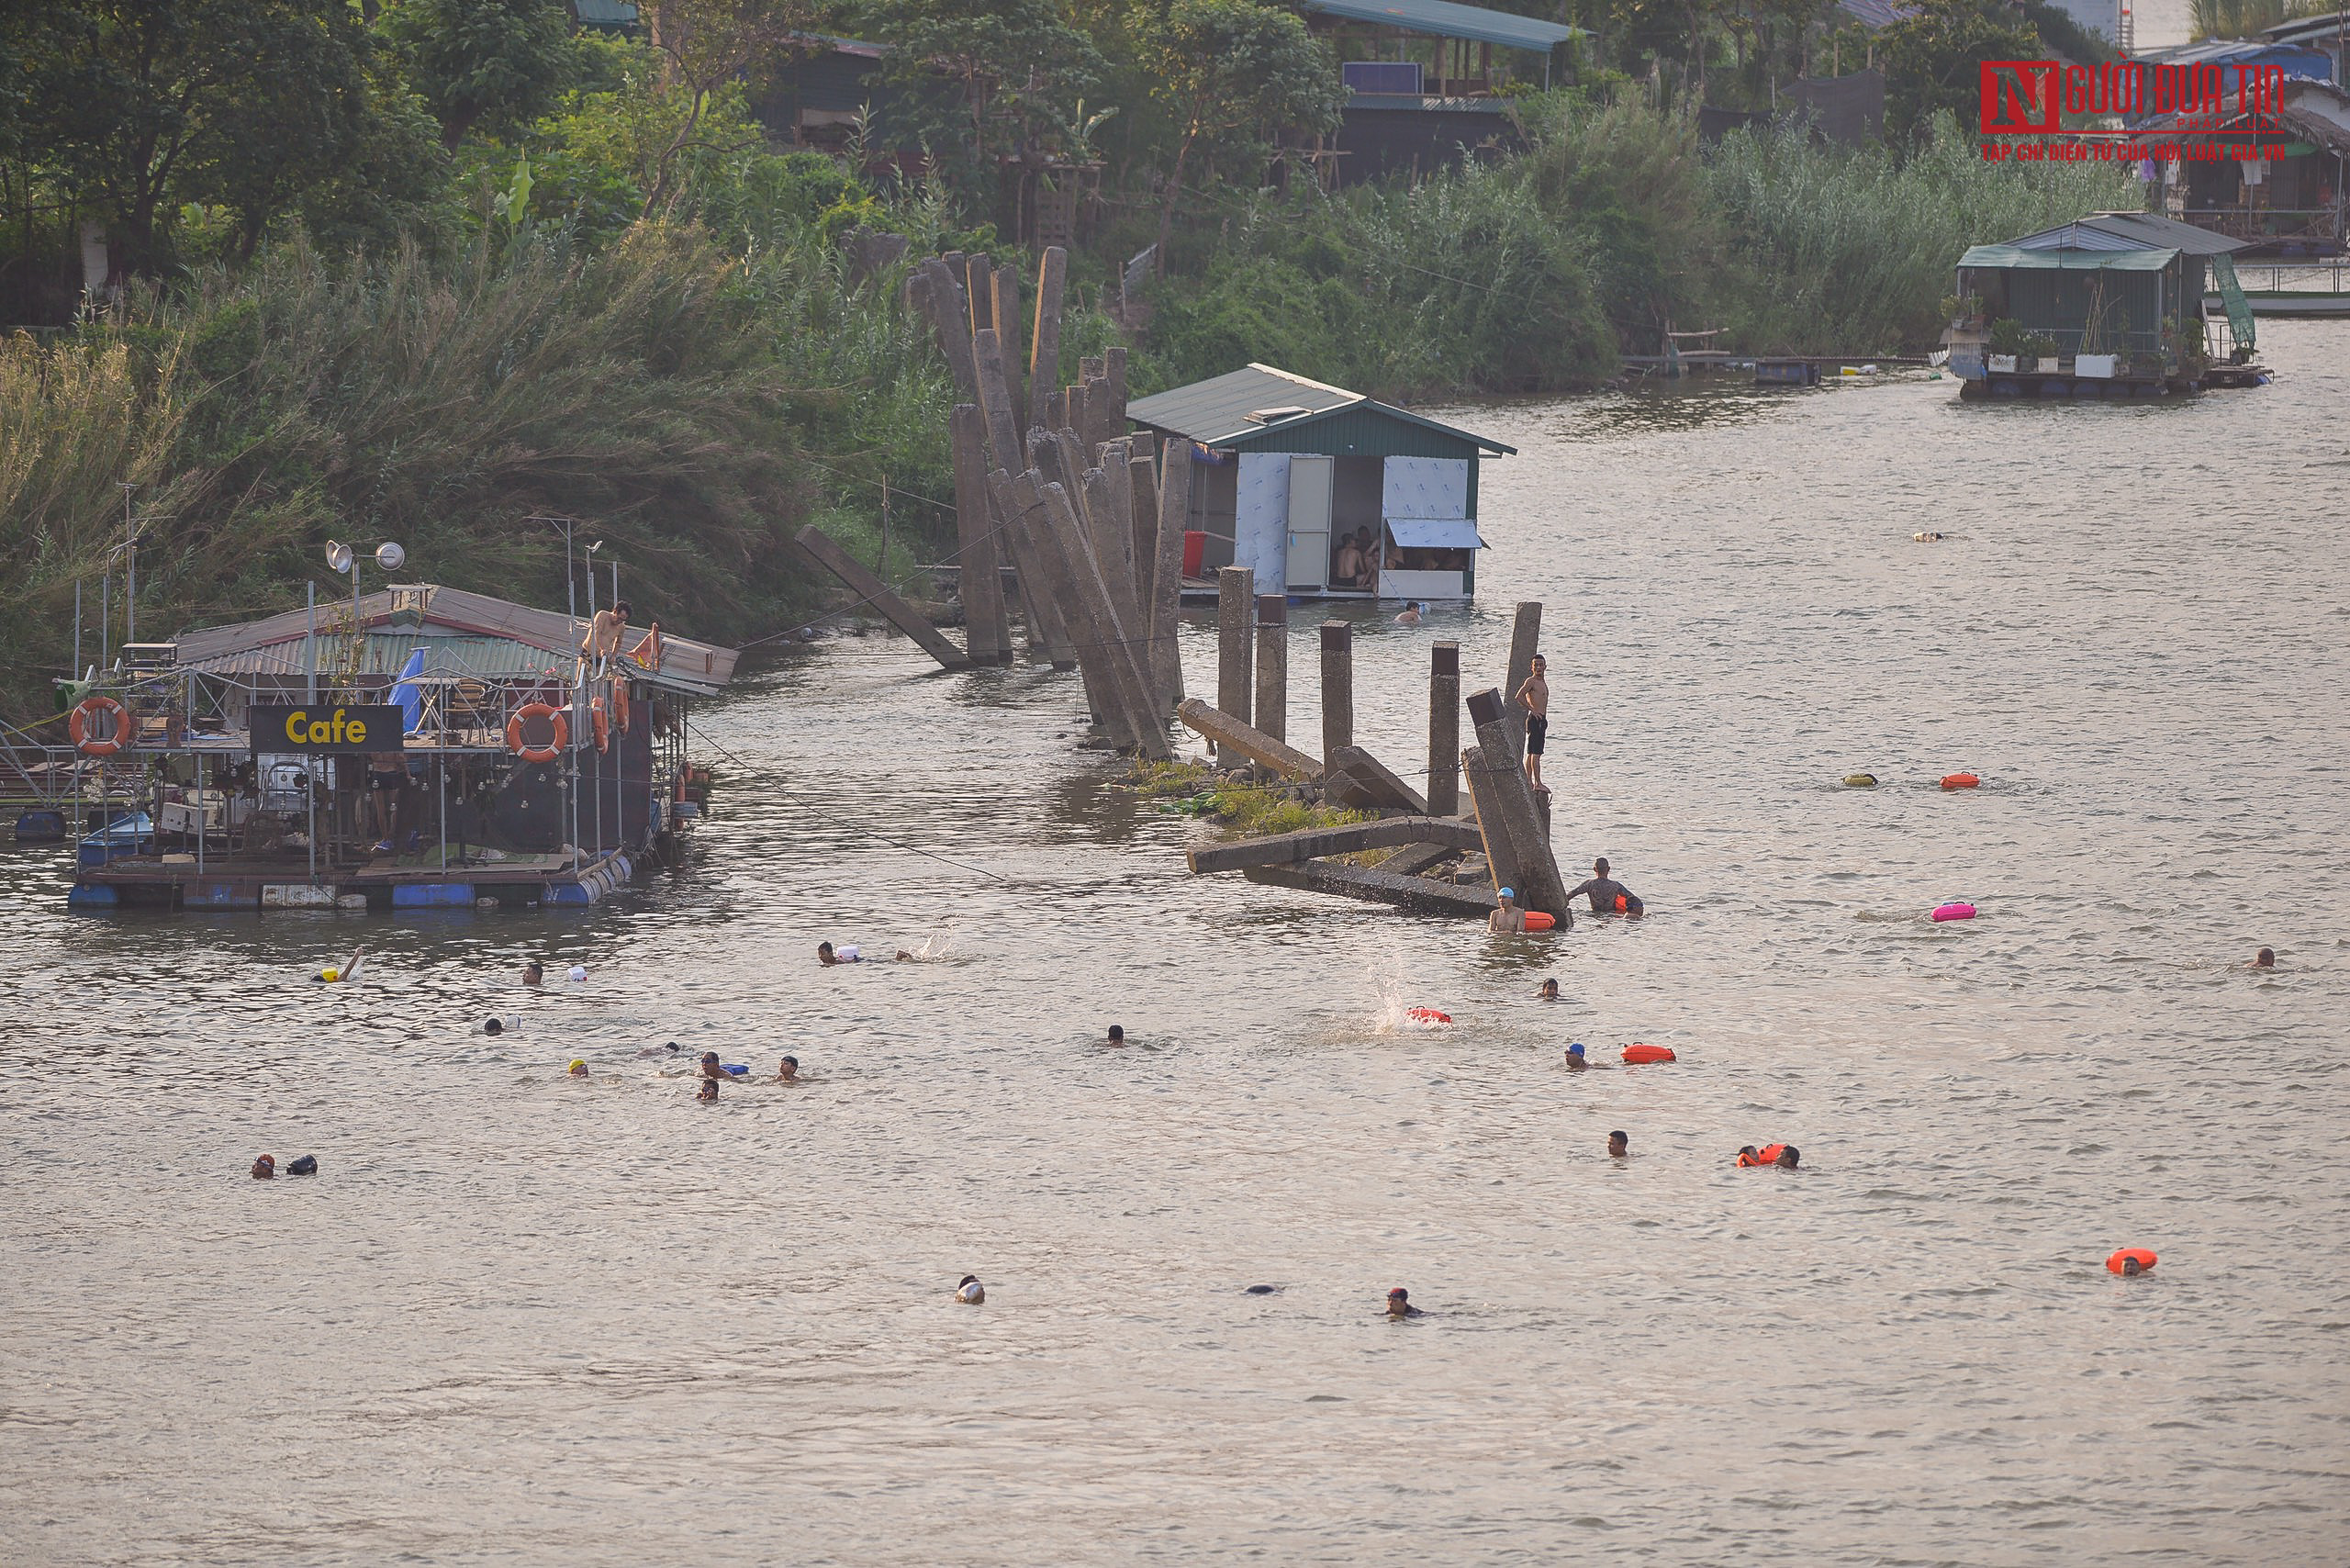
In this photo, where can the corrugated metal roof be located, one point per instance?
(688, 665)
(2130, 231)
(1442, 19)
(1877, 15)
(2012, 257)
(604, 13)
(1215, 412)
(385, 654)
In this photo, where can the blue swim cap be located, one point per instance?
(1575, 1049)
(1508, 892)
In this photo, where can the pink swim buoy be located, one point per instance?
(1954, 912)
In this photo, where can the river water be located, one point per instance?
(522, 1318)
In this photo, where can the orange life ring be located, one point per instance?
(603, 725)
(1634, 1056)
(2145, 1259)
(88, 709)
(620, 704)
(538, 753)
(1960, 781)
(1537, 921)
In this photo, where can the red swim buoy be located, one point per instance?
(1427, 1015)
(2145, 1259)
(1960, 781)
(1537, 921)
(1635, 1056)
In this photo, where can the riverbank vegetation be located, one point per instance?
(441, 269)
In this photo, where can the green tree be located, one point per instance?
(139, 105)
(1230, 67)
(976, 79)
(1930, 60)
(492, 65)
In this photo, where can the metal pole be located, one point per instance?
(309, 768)
(77, 628)
(131, 567)
(619, 821)
(106, 610)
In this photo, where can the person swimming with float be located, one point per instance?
(1399, 1305)
(1607, 895)
(828, 956)
(1508, 918)
(1785, 1156)
(1575, 1063)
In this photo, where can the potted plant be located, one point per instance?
(2007, 337)
(2041, 349)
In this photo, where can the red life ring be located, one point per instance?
(2145, 1258)
(92, 745)
(538, 753)
(1634, 1055)
(1537, 921)
(603, 725)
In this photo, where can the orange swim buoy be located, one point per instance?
(1635, 1056)
(82, 727)
(2145, 1258)
(1622, 903)
(1537, 921)
(538, 753)
(1960, 781)
(1427, 1015)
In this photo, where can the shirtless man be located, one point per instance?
(1347, 570)
(1508, 918)
(604, 633)
(1608, 896)
(1535, 696)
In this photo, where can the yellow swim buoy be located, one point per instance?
(1860, 781)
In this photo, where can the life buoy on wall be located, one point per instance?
(602, 724)
(538, 753)
(83, 728)
(621, 705)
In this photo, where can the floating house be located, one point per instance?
(2279, 180)
(423, 747)
(1323, 492)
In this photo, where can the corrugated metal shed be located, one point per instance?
(2019, 260)
(1442, 19)
(1292, 413)
(2130, 231)
(385, 654)
(686, 664)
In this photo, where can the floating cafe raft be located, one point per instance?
(238, 767)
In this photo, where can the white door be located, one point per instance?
(1309, 521)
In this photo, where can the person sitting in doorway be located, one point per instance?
(1345, 566)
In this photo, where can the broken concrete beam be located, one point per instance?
(1349, 838)
(1233, 737)
(876, 593)
(1416, 894)
(1369, 783)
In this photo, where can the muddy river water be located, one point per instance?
(522, 1318)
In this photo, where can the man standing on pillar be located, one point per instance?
(1535, 696)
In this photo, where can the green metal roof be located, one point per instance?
(1442, 19)
(1252, 405)
(604, 13)
(2016, 258)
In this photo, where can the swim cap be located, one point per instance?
(1575, 1049)
(577, 1064)
(491, 1026)
(329, 974)
(1508, 894)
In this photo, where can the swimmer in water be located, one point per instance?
(1575, 1063)
(1508, 918)
(710, 1068)
(709, 1090)
(826, 955)
(1549, 991)
(1399, 1305)
(1608, 896)
(969, 1292)
(1117, 1035)
(2132, 1268)
(492, 1027)
(1618, 1146)
(1785, 1156)
(789, 1072)
(265, 1168)
(2264, 959)
(1789, 1158)
(578, 1067)
(671, 1049)
(1411, 616)
(533, 972)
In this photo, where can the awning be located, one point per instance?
(1435, 533)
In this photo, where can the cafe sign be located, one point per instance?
(326, 727)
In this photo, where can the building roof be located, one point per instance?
(2130, 231)
(2013, 257)
(1243, 404)
(465, 633)
(1877, 15)
(604, 13)
(2307, 29)
(1442, 19)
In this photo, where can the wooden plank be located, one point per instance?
(1230, 734)
(1167, 572)
(1538, 884)
(979, 583)
(1416, 894)
(1009, 326)
(1236, 595)
(1045, 340)
(1484, 801)
(1114, 391)
(1142, 520)
(1312, 844)
(1272, 665)
(978, 291)
(1444, 728)
(1047, 616)
(874, 591)
(1054, 587)
(1113, 530)
(1338, 688)
(1370, 784)
(1117, 655)
(1525, 642)
(1106, 532)
(950, 315)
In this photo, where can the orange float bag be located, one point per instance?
(2145, 1259)
(1635, 1056)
